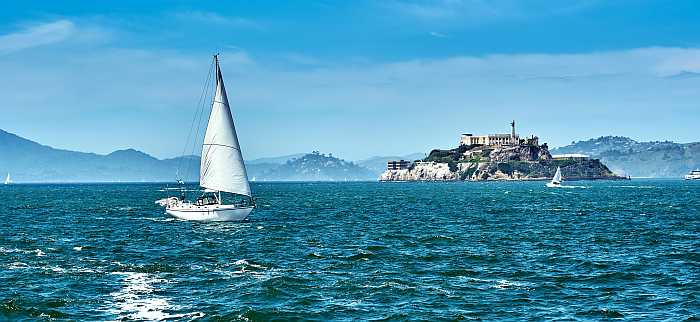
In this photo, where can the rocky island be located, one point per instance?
(496, 157)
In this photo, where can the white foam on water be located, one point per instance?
(78, 248)
(504, 284)
(160, 219)
(55, 269)
(136, 301)
(17, 265)
(14, 250)
(39, 253)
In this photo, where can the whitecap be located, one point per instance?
(17, 265)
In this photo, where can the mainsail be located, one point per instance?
(7, 179)
(557, 176)
(222, 167)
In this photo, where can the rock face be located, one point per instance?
(536, 170)
(520, 153)
(480, 163)
(423, 171)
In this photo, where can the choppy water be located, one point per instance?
(346, 251)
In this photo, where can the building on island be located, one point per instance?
(496, 140)
(570, 156)
(398, 165)
(492, 139)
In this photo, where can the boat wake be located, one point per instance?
(573, 187)
(137, 299)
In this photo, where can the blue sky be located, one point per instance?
(355, 78)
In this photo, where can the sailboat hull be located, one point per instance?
(210, 213)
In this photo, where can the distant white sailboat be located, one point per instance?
(7, 179)
(556, 181)
(221, 169)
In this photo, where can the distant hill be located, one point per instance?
(660, 159)
(318, 167)
(275, 160)
(378, 164)
(29, 161)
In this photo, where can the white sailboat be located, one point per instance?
(556, 181)
(221, 169)
(7, 179)
(693, 175)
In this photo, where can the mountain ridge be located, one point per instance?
(30, 161)
(626, 156)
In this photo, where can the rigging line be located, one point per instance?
(198, 116)
(224, 145)
(194, 118)
(201, 111)
(206, 161)
(189, 134)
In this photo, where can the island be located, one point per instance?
(497, 157)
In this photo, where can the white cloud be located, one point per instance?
(120, 97)
(37, 35)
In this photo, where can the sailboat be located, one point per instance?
(7, 179)
(221, 169)
(556, 181)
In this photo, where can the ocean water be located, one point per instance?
(356, 251)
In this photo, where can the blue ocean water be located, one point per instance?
(356, 251)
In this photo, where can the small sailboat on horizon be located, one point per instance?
(556, 180)
(8, 180)
(221, 169)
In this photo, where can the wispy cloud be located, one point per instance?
(481, 11)
(438, 34)
(209, 17)
(37, 35)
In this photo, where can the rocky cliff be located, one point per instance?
(423, 171)
(480, 163)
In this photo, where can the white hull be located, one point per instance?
(210, 213)
(553, 185)
(692, 177)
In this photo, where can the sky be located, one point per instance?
(353, 78)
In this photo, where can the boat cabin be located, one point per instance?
(208, 198)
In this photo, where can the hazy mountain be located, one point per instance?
(639, 159)
(29, 161)
(377, 164)
(318, 167)
(275, 160)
